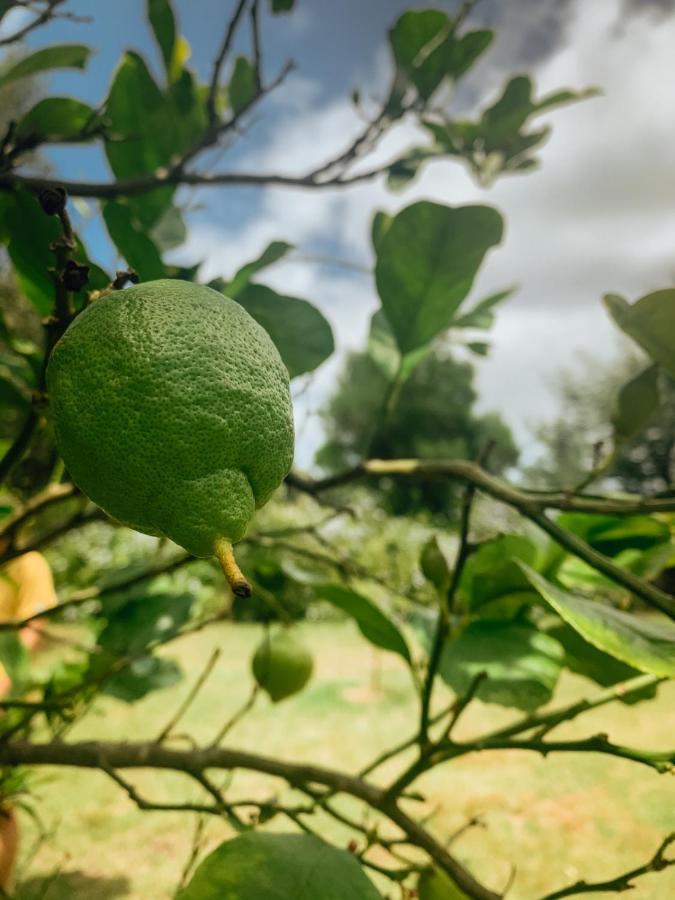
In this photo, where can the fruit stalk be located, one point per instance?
(235, 577)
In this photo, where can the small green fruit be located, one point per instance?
(434, 565)
(171, 408)
(282, 666)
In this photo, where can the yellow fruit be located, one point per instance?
(26, 587)
(282, 666)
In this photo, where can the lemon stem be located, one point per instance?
(235, 577)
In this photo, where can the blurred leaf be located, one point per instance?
(651, 322)
(636, 404)
(143, 620)
(434, 565)
(522, 664)
(482, 314)
(613, 534)
(435, 885)
(281, 6)
(14, 656)
(645, 644)
(379, 227)
(271, 254)
(301, 333)
(267, 866)
(62, 56)
(58, 119)
(404, 169)
(169, 231)
(480, 348)
(163, 22)
(426, 264)
(243, 85)
(585, 659)
(133, 244)
(144, 675)
(382, 348)
(492, 572)
(372, 622)
(30, 233)
(11, 394)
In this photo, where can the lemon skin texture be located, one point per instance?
(282, 666)
(171, 409)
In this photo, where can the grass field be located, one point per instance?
(554, 820)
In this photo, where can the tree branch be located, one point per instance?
(622, 882)
(109, 755)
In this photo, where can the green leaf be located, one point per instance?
(11, 394)
(613, 534)
(480, 348)
(382, 348)
(636, 404)
(645, 644)
(585, 659)
(281, 6)
(434, 565)
(14, 656)
(243, 85)
(492, 572)
(372, 622)
(30, 233)
(132, 242)
(435, 885)
(271, 254)
(144, 675)
(522, 664)
(379, 227)
(302, 335)
(62, 56)
(426, 264)
(258, 865)
(482, 314)
(142, 620)
(169, 231)
(58, 119)
(650, 321)
(163, 23)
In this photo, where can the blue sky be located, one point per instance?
(598, 216)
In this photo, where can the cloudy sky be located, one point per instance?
(599, 215)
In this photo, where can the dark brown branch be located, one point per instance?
(41, 19)
(219, 60)
(107, 756)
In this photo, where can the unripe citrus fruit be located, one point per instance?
(282, 666)
(171, 408)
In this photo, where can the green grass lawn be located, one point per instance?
(554, 820)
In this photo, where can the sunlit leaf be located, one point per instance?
(647, 644)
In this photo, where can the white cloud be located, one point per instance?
(598, 216)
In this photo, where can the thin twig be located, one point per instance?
(192, 694)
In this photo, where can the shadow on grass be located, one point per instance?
(71, 886)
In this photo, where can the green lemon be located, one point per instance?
(282, 666)
(171, 408)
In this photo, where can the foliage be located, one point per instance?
(500, 621)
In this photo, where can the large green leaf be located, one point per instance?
(258, 865)
(614, 534)
(58, 119)
(636, 404)
(645, 644)
(133, 243)
(651, 322)
(372, 622)
(522, 664)
(301, 333)
(426, 264)
(62, 56)
(274, 251)
(492, 573)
